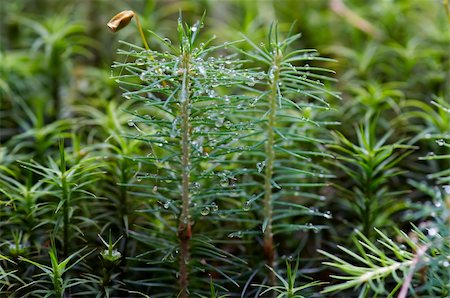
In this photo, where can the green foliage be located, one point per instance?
(284, 102)
(288, 287)
(224, 148)
(395, 268)
(371, 165)
(57, 284)
(188, 143)
(399, 268)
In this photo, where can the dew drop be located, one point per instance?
(155, 188)
(211, 93)
(130, 123)
(167, 40)
(140, 61)
(327, 214)
(447, 189)
(432, 232)
(167, 204)
(202, 71)
(247, 206)
(260, 166)
(224, 182)
(251, 82)
(214, 207)
(237, 234)
(227, 124)
(143, 76)
(438, 203)
(205, 211)
(440, 142)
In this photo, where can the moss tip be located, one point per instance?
(120, 20)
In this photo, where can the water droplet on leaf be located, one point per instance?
(237, 234)
(447, 189)
(167, 204)
(214, 207)
(224, 182)
(195, 186)
(140, 61)
(260, 166)
(205, 211)
(143, 76)
(432, 231)
(327, 215)
(440, 142)
(247, 206)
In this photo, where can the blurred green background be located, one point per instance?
(392, 63)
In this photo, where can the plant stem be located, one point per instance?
(59, 293)
(368, 201)
(56, 275)
(65, 198)
(66, 216)
(123, 211)
(269, 250)
(184, 229)
(142, 33)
